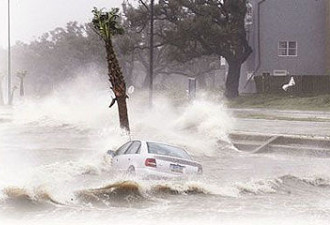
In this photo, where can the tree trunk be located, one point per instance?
(131, 69)
(202, 81)
(232, 81)
(11, 98)
(146, 82)
(213, 83)
(117, 81)
(21, 87)
(1, 94)
(122, 110)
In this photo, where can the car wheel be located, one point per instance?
(131, 171)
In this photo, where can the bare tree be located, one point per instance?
(21, 75)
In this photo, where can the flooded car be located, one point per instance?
(152, 159)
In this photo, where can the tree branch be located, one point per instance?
(144, 4)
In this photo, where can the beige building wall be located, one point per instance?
(328, 37)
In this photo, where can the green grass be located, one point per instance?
(321, 102)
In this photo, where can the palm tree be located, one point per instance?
(106, 25)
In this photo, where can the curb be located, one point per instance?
(254, 143)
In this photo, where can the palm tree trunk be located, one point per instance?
(122, 109)
(117, 81)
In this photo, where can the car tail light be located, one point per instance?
(151, 162)
(200, 170)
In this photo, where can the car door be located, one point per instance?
(131, 154)
(118, 161)
(129, 157)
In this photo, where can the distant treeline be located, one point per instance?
(57, 56)
(189, 40)
(63, 53)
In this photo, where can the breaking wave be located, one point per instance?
(190, 189)
(133, 190)
(286, 184)
(20, 197)
(130, 192)
(120, 191)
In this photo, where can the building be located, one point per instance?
(288, 37)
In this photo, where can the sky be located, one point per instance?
(31, 18)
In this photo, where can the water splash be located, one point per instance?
(81, 106)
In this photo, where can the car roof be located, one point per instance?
(158, 142)
(144, 142)
(181, 147)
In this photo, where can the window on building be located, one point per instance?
(287, 48)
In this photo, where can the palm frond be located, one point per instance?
(106, 23)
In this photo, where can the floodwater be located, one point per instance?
(54, 170)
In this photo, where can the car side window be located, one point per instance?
(134, 148)
(123, 148)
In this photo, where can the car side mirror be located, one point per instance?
(112, 153)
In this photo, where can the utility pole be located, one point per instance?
(9, 57)
(328, 35)
(151, 71)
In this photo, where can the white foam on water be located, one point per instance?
(83, 104)
(146, 220)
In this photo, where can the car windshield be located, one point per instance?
(163, 149)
